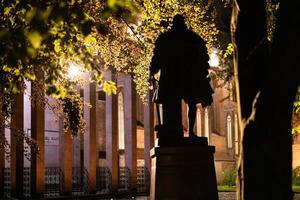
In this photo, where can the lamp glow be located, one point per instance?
(214, 60)
(74, 70)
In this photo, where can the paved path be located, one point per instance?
(223, 196)
(231, 196)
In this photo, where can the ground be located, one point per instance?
(223, 196)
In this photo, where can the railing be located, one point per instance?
(103, 180)
(124, 179)
(80, 181)
(143, 180)
(53, 181)
(6, 182)
(26, 182)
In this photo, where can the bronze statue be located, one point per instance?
(181, 56)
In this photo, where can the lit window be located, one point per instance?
(206, 124)
(229, 131)
(236, 134)
(121, 120)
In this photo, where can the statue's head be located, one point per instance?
(178, 21)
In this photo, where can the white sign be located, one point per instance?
(51, 138)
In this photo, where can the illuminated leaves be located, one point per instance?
(229, 51)
(57, 47)
(109, 87)
(296, 114)
(98, 34)
(296, 130)
(35, 39)
(272, 13)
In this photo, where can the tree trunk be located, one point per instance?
(268, 79)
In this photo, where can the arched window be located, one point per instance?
(206, 124)
(229, 131)
(199, 121)
(236, 134)
(121, 120)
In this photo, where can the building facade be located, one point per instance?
(113, 153)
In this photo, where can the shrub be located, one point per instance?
(230, 177)
(296, 176)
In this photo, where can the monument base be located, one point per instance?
(183, 172)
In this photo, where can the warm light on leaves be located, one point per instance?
(35, 39)
(109, 87)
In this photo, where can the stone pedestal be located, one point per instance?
(183, 172)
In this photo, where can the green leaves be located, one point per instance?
(35, 39)
(297, 102)
(296, 130)
(296, 114)
(57, 47)
(7, 11)
(109, 87)
(90, 40)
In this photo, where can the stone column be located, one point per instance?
(90, 139)
(38, 134)
(2, 153)
(65, 159)
(130, 130)
(202, 125)
(185, 119)
(17, 146)
(207, 123)
(199, 120)
(111, 137)
(148, 131)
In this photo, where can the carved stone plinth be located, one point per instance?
(183, 172)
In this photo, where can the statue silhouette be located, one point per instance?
(181, 56)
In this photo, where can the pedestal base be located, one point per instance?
(181, 173)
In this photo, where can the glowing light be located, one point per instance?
(74, 70)
(214, 60)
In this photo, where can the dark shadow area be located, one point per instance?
(270, 70)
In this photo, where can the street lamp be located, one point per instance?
(73, 70)
(214, 60)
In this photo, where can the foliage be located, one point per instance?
(297, 102)
(49, 35)
(296, 114)
(230, 176)
(72, 106)
(296, 176)
(271, 10)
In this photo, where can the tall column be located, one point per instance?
(199, 120)
(38, 134)
(130, 130)
(2, 151)
(185, 120)
(17, 146)
(111, 131)
(207, 124)
(148, 131)
(66, 154)
(202, 125)
(90, 139)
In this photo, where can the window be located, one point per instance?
(199, 121)
(229, 131)
(121, 120)
(236, 134)
(101, 95)
(206, 124)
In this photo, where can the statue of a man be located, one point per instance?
(181, 56)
